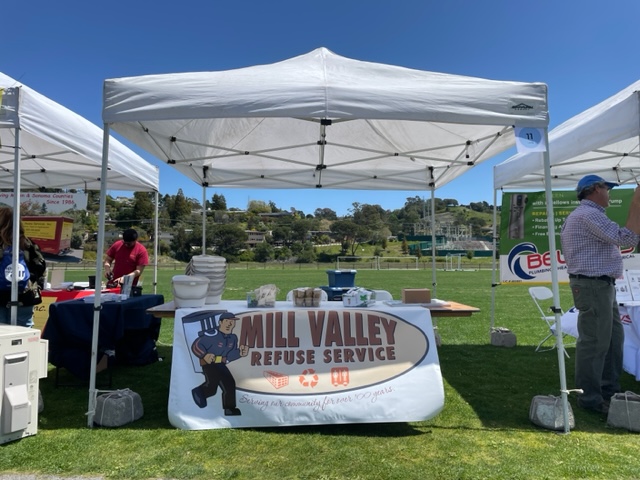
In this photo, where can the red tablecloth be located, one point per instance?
(41, 312)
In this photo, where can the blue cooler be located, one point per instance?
(342, 278)
(334, 294)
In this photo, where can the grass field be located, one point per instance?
(483, 432)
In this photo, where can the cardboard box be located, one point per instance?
(416, 295)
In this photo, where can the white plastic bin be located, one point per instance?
(189, 290)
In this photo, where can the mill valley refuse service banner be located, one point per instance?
(524, 242)
(235, 367)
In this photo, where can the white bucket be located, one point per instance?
(189, 290)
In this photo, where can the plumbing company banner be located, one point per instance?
(524, 243)
(235, 367)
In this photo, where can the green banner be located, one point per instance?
(524, 234)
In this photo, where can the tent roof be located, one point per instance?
(61, 149)
(602, 140)
(322, 120)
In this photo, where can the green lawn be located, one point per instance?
(483, 432)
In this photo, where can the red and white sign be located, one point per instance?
(57, 202)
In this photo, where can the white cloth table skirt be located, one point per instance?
(305, 366)
(630, 318)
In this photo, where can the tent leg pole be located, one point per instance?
(494, 284)
(433, 246)
(16, 229)
(551, 228)
(93, 393)
(155, 245)
(204, 220)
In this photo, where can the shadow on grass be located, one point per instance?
(381, 430)
(66, 406)
(499, 384)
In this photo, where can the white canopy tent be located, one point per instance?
(602, 140)
(320, 120)
(59, 148)
(46, 145)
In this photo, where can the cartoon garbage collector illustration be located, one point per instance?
(216, 346)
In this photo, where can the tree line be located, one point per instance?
(293, 233)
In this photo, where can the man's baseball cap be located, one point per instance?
(592, 180)
(227, 315)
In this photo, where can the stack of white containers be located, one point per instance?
(189, 290)
(214, 268)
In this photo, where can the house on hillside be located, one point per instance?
(275, 214)
(111, 236)
(224, 216)
(254, 237)
(166, 236)
(127, 201)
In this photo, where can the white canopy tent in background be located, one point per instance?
(46, 145)
(603, 140)
(61, 149)
(320, 120)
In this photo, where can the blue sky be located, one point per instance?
(584, 51)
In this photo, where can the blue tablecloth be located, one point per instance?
(125, 327)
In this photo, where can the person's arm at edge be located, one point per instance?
(633, 218)
(107, 265)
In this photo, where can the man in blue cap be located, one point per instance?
(591, 247)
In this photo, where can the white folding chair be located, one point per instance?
(383, 296)
(543, 298)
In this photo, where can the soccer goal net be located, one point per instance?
(378, 263)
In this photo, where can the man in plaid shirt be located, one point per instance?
(591, 246)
